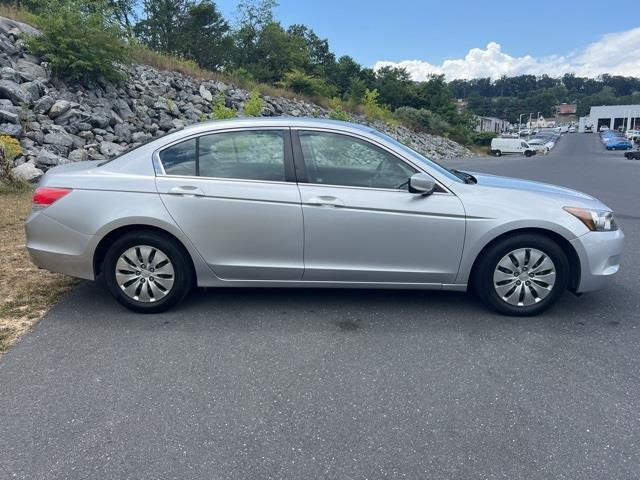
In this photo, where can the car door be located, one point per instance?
(361, 223)
(234, 195)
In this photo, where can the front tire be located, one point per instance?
(522, 275)
(147, 272)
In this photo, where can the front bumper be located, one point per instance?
(599, 254)
(58, 248)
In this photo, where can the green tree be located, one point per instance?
(204, 36)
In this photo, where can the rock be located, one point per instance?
(47, 159)
(123, 132)
(59, 107)
(8, 73)
(78, 155)
(35, 89)
(28, 172)
(14, 92)
(43, 105)
(206, 94)
(140, 137)
(60, 138)
(30, 71)
(10, 129)
(7, 116)
(7, 25)
(99, 120)
(110, 149)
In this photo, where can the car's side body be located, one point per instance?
(297, 233)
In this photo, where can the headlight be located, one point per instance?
(594, 220)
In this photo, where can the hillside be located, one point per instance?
(59, 123)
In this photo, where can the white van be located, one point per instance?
(501, 146)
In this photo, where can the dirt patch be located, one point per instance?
(26, 292)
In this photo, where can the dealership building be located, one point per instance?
(613, 116)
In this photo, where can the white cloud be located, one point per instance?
(614, 53)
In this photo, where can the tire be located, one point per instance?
(528, 153)
(497, 153)
(135, 286)
(495, 272)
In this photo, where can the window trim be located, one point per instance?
(301, 168)
(289, 169)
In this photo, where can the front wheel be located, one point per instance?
(147, 272)
(522, 275)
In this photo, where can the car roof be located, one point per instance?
(283, 121)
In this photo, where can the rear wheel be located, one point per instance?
(522, 275)
(497, 153)
(147, 272)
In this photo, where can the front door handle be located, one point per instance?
(325, 201)
(187, 191)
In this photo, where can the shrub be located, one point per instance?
(483, 139)
(10, 149)
(254, 105)
(300, 82)
(220, 110)
(337, 111)
(373, 110)
(81, 47)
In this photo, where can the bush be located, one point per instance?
(254, 105)
(10, 149)
(337, 111)
(373, 110)
(483, 139)
(80, 47)
(220, 110)
(300, 82)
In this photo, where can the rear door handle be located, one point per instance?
(187, 191)
(325, 201)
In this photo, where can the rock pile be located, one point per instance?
(58, 123)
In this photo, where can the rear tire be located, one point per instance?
(497, 153)
(147, 272)
(527, 286)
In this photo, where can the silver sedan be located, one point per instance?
(313, 203)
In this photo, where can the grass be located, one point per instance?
(26, 292)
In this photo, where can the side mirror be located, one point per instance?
(422, 183)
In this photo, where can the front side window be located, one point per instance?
(336, 159)
(243, 155)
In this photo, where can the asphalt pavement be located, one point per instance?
(341, 384)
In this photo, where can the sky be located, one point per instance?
(470, 39)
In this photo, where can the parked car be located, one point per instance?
(632, 134)
(286, 202)
(603, 128)
(588, 129)
(502, 146)
(540, 143)
(635, 155)
(619, 143)
(571, 129)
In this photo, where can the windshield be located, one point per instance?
(415, 155)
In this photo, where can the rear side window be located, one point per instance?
(250, 155)
(244, 155)
(180, 159)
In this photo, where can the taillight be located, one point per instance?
(46, 196)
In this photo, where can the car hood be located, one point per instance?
(485, 179)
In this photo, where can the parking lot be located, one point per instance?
(341, 384)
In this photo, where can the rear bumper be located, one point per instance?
(599, 254)
(58, 248)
